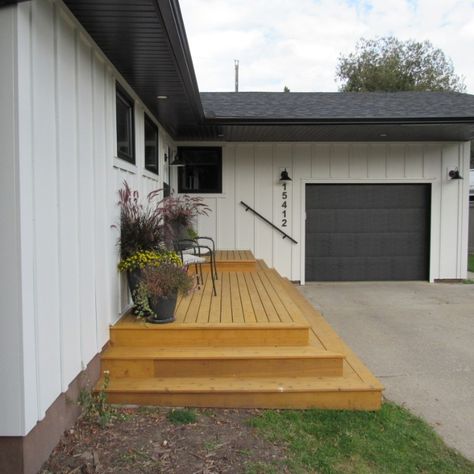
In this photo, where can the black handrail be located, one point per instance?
(285, 236)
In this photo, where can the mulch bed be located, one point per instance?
(144, 440)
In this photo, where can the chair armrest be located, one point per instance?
(207, 238)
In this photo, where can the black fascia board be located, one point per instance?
(340, 121)
(171, 18)
(4, 3)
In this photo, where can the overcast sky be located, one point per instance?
(297, 42)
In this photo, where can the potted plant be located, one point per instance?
(133, 266)
(141, 236)
(179, 213)
(161, 284)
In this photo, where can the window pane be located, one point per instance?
(125, 138)
(203, 170)
(151, 146)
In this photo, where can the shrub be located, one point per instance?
(166, 279)
(148, 258)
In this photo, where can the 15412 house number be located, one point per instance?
(284, 205)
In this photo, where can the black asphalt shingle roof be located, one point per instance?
(337, 105)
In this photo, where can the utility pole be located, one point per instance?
(236, 65)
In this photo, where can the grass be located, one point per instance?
(470, 263)
(182, 416)
(391, 440)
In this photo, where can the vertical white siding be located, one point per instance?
(251, 173)
(68, 185)
(45, 204)
(11, 370)
(68, 181)
(263, 201)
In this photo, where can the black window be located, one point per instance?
(125, 126)
(151, 145)
(472, 155)
(166, 186)
(202, 172)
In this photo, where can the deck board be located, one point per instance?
(237, 309)
(248, 312)
(257, 305)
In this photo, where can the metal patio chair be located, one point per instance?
(194, 253)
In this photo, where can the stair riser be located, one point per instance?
(304, 367)
(183, 337)
(335, 400)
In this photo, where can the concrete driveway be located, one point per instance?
(418, 339)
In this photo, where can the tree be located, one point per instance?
(388, 64)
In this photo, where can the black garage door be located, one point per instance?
(367, 232)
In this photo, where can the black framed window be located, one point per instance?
(125, 125)
(151, 145)
(472, 155)
(166, 175)
(202, 172)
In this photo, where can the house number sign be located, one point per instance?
(284, 205)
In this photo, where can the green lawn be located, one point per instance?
(470, 263)
(389, 441)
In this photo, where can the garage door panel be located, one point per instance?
(366, 220)
(367, 232)
(369, 245)
(365, 269)
(368, 196)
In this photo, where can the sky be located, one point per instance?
(297, 42)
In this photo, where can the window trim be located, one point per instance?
(218, 190)
(148, 121)
(124, 97)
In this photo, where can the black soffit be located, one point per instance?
(146, 41)
(356, 132)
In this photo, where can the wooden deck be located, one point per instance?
(242, 298)
(258, 343)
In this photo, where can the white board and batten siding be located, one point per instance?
(251, 174)
(59, 203)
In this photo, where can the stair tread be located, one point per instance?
(131, 322)
(216, 352)
(235, 385)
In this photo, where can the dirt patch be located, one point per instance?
(146, 441)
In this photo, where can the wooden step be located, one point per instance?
(230, 335)
(282, 392)
(303, 361)
(234, 261)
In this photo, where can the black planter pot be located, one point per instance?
(163, 309)
(134, 277)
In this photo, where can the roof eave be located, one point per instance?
(170, 13)
(340, 121)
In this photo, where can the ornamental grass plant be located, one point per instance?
(180, 211)
(141, 226)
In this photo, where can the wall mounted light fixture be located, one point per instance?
(284, 176)
(177, 161)
(454, 174)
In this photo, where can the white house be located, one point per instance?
(94, 93)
